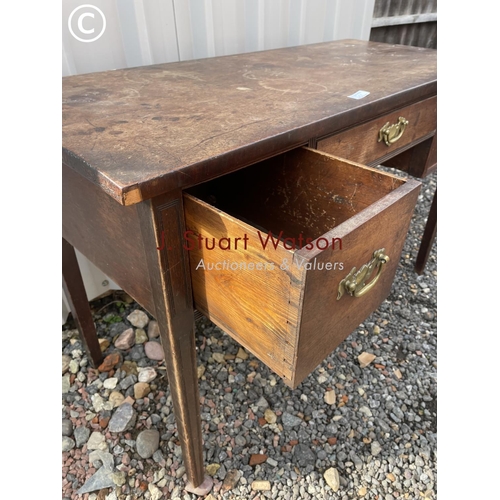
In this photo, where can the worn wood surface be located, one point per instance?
(137, 133)
(108, 234)
(262, 309)
(168, 271)
(361, 144)
(78, 302)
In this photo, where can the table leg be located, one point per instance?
(427, 238)
(162, 220)
(79, 304)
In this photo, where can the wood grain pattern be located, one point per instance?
(171, 288)
(263, 309)
(137, 133)
(108, 234)
(252, 305)
(361, 144)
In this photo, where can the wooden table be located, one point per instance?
(134, 140)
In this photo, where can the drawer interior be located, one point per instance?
(300, 192)
(287, 312)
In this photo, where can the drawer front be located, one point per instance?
(364, 144)
(288, 312)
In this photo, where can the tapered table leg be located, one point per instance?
(162, 221)
(78, 303)
(427, 238)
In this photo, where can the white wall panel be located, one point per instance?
(142, 32)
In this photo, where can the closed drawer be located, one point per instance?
(364, 143)
(271, 244)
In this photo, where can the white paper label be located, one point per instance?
(359, 94)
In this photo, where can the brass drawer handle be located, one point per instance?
(392, 133)
(354, 282)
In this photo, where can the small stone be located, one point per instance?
(154, 491)
(67, 443)
(110, 361)
(158, 456)
(398, 373)
(242, 354)
(66, 384)
(219, 357)
(123, 418)
(97, 402)
(67, 427)
(365, 358)
(200, 370)
(212, 469)
(141, 390)
(262, 403)
(97, 442)
(231, 480)
(101, 479)
(257, 459)
(119, 478)
(376, 330)
(103, 456)
(330, 397)
(126, 339)
(140, 336)
(138, 318)
(375, 448)
(391, 477)
(74, 366)
(129, 367)
(65, 363)
(271, 462)
(270, 416)
(261, 486)
(82, 435)
(289, 421)
(365, 411)
(116, 398)
(332, 478)
(154, 350)
(104, 344)
(153, 330)
(110, 383)
(147, 375)
(304, 455)
(202, 489)
(147, 442)
(362, 491)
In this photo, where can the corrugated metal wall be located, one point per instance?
(405, 22)
(141, 32)
(138, 33)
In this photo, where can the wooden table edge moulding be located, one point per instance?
(135, 140)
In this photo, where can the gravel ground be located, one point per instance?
(373, 438)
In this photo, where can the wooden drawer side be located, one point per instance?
(258, 308)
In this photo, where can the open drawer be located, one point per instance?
(289, 255)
